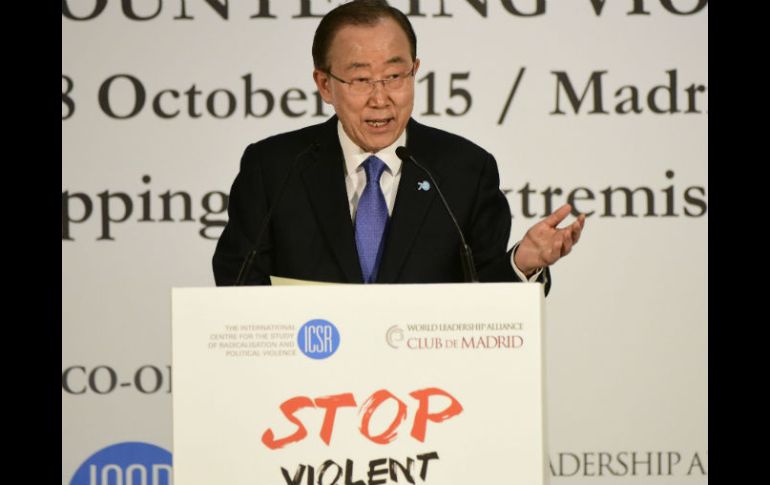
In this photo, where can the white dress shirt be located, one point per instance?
(355, 179)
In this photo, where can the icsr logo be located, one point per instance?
(318, 339)
(133, 463)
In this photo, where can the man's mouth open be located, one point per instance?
(378, 123)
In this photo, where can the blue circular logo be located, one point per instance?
(318, 339)
(130, 462)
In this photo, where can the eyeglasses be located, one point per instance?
(362, 85)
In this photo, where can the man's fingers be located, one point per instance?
(575, 229)
(568, 242)
(556, 243)
(554, 251)
(555, 218)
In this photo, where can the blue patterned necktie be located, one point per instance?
(371, 220)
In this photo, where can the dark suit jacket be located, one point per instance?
(311, 235)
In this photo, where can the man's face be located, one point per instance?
(374, 120)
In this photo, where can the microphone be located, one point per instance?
(466, 256)
(248, 261)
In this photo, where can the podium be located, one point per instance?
(358, 385)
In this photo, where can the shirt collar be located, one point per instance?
(355, 155)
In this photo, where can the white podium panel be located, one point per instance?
(358, 385)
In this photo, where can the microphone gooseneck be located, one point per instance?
(248, 261)
(466, 255)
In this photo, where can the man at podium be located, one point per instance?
(371, 195)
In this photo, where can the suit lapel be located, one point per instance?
(411, 206)
(324, 179)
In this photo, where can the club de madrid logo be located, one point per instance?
(394, 336)
(318, 339)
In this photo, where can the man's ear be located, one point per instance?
(322, 81)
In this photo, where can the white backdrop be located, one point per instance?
(626, 324)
